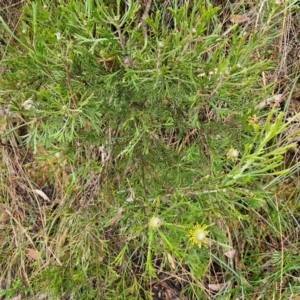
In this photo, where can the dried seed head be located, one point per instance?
(58, 35)
(128, 62)
(161, 44)
(27, 105)
(155, 222)
(57, 155)
(233, 154)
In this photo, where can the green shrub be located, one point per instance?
(141, 113)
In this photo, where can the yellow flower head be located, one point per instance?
(155, 223)
(232, 154)
(198, 235)
(253, 121)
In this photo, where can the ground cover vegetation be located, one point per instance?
(149, 149)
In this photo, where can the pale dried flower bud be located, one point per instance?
(27, 104)
(161, 44)
(117, 18)
(58, 35)
(128, 62)
(57, 155)
(155, 222)
(233, 153)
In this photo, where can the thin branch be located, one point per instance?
(121, 38)
(143, 24)
(73, 97)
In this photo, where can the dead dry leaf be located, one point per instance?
(171, 261)
(42, 194)
(63, 237)
(4, 216)
(132, 194)
(201, 74)
(209, 244)
(116, 217)
(33, 254)
(18, 297)
(276, 99)
(238, 19)
(230, 253)
(215, 287)
(108, 59)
